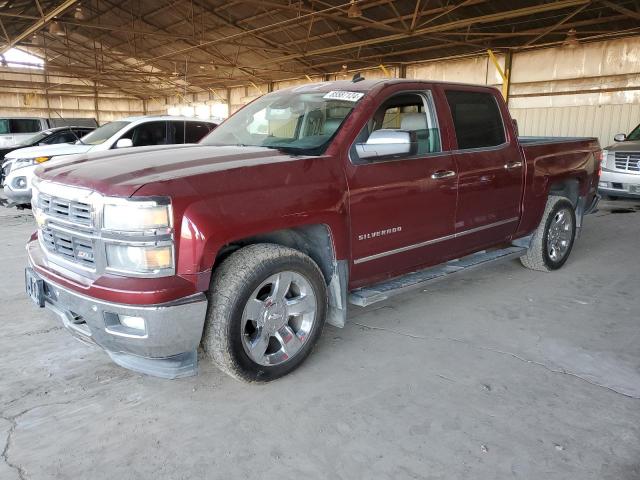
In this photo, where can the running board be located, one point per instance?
(381, 291)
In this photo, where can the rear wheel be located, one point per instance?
(267, 307)
(553, 240)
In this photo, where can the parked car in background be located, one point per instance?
(17, 130)
(621, 166)
(128, 132)
(305, 200)
(51, 136)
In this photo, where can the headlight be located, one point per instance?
(138, 236)
(136, 216)
(139, 259)
(27, 162)
(607, 159)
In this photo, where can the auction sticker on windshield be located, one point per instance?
(344, 95)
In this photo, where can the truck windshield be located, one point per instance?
(634, 136)
(102, 134)
(301, 123)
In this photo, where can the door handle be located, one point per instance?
(440, 174)
(512, 165)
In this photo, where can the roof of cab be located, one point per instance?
(147, 118)
(367, 85)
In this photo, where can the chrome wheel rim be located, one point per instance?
(560, 235)
(278, 318)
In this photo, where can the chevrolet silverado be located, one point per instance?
(304, 201)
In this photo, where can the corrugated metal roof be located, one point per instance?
(149, 48)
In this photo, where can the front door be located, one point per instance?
(402, 206)
(490, 172)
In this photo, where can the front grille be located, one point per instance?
(628, 161)
(72, 211)
(68, 246)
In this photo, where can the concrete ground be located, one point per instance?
(501, 373)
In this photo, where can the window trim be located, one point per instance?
(428, 101)
(462, 151)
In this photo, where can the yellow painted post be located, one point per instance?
(384, 69)
(505, 76)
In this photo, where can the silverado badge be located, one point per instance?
(379, 233)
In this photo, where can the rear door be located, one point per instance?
(490, 169)
(402, 207)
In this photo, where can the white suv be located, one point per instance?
(621, 166)
(20, 164)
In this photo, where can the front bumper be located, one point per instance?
(619, 184)
(167, 347)
(17, 185)
(18, 197)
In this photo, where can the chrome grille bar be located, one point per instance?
(72, 211)
(68, 246)
(627, 161)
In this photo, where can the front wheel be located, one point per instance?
(267, 306)
(553, 240)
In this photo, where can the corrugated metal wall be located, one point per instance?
(590, 90)
(68, 98)
(601, 121)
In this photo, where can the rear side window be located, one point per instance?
(24, 125)
(476, 118)
(4, 126)
(195, 131)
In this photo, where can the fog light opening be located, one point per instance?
(135, 323)
(20, 182)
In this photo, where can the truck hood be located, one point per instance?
(48, 151)
(122, 172)
(632, 146)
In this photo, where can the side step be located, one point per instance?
(381, 291)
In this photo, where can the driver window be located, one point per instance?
(151, 133)
(404, 126)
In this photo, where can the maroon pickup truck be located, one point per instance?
(304, 201)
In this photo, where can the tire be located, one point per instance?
(545, 253)
(250, 300)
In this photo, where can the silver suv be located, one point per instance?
(621, 166)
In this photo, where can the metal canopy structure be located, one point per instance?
(150, 48)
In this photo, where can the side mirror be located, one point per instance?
(124, 143)
(386, 143)
(620, 137)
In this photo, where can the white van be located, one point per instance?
(16, 130)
